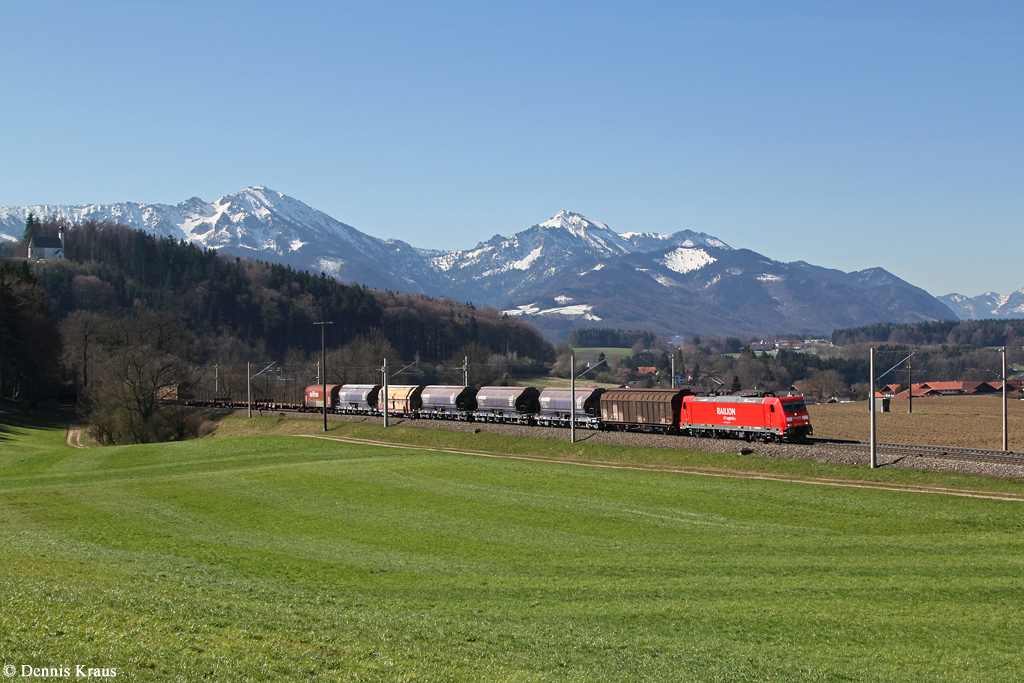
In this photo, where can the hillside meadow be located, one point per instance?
(262, 555)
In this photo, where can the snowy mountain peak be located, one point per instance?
(572, 221)
(651, 241)
(987, 305)
(591, 233)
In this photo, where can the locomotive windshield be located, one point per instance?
(794, 406)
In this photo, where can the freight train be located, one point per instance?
(763, 417)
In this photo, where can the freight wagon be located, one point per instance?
(441, 402)
(358, 399)
(507, 404)
(646, 409)
(404, 400)
(556, 407)
(315, 396)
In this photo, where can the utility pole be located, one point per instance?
(871, 402)
(465, 371)
(216, 380)
(672, 359)
(910, 390)
(248, 386)
(572, 389)
(323, 362)
(1006, 435)
(384, 391)
(572, 400)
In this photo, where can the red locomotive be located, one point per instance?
(767, 417)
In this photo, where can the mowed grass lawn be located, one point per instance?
(290, 558)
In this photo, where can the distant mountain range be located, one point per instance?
(566, 272)
(988, 305)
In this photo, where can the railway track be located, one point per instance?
(924, 450)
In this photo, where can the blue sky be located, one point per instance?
(849, 135)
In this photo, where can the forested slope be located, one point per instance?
(111, 268)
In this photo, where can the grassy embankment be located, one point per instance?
(269, 557)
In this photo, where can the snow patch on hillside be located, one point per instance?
(524, 264)
(664, 281)
(685, 260)
(578, 310)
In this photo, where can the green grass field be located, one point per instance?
(263, 556)
(591, 353)
(544, 382)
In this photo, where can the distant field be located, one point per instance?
(969, 421)
(590, 354)
(270, 557)
(545, 381)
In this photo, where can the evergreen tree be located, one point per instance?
(32, 226)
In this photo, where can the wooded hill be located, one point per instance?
(126, 320)
(109, 268)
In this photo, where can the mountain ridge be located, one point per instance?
(561, 273)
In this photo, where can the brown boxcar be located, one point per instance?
(656, 409)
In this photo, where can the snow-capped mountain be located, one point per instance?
(723, 291)
(652, 241)
(513, 266)
(988, 305)
(564, 272)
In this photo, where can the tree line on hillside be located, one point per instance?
(112, 268)
(123, 301)
(590, 337)
(953, 332)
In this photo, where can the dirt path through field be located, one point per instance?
(702, 471)
(74, 436)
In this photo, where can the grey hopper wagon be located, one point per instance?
(358, 399)
(507, 404)
(448, 402)
(556, 407)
